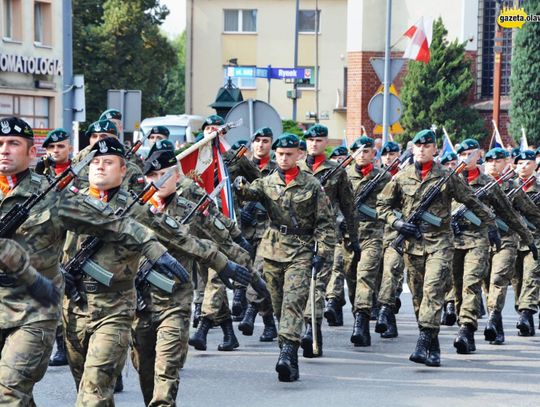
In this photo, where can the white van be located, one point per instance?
(183, 128)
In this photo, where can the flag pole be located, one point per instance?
(387, 61)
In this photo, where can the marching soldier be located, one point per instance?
(115, 116)
(157, 133)
(428, 259)
(58, 150)
(472, 244)
(339, 191)
(300, 218)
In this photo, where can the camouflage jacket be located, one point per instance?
(530, 192)
(15, 263)
(339, 191)
(133, 181)
(302, 204)
(475, 236)
(368, 228)
(43, 234)
(405, 191)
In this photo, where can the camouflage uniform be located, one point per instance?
(299, 214)
(338, 189)
(428, 259)
(392, 270)
(471, 255)
(27, 328)
(98, 329)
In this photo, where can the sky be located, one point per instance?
(176, 20)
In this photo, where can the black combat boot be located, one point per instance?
(449, 317)
(490, 332)
(239, 304)
(499, 339)
(59, 357)
(524, 323)
(374, 308)
(398, 305)
(119, 385)
(464, 342)
(434, 356)
(229, 338)
(339, 316)
(482, 308)
(287, 364)
(270, 330)
(423, 344)
(307, 341)
(360, 335)
(198, 339)
(391, 330)
(531, 323)
(197, 315)
(382, 319)
(248, 323)
(331, 311)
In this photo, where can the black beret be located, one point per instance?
(102, 126)
(159, 160)
(161, 145)
(159, 130)
(13, 126)
(109, 146)
(263, 132)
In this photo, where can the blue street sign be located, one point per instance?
(241, 71)
(269, 73)
(290, 73)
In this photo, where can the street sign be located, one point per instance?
(129, 103)
(375, 108)
(79, 105)
(395, 66)
(290, 73)
(269, 72)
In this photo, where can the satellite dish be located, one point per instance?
(255, 114)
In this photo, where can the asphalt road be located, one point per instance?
(346, 376)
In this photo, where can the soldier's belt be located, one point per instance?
(286, 230)
(93, 287)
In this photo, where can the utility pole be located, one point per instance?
(316, 61)
(296, 27)
(386, 82)
(67, 81)
(498, 51)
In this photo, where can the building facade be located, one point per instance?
(31, 61)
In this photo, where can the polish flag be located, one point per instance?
(420, 35)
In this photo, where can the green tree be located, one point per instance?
(118, 45)
(290, 126)
(172, 96)
(524, 79)
(437, 92)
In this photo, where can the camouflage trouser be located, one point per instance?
(215, 305)
(392, 276)
(24, 358)
(526, 281)
(288, 283)
(323, 277)
(502, 269)
(264, 307)
(428, 278)
(335, 289)
(367, 275)
(450, 294)
(159, 342)
(469, 269)
(198, 293)
(96, 352)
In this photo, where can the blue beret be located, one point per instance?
(365, 140)
(317, 130)
(286, 140)
(496, 153)
(529, 155)
(341, 150)
(54, 136)
(102, 126)
(390, 147)
(468, 144)
(111, 114)
(108, 146)
(424, 137)
(446, 158)
(13, 126)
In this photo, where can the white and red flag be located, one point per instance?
(420, 35)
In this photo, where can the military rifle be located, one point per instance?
(19, 213)
(202, 205)
(342, 165)
(501, 225)
(138, 144)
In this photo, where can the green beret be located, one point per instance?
(13, 126)
(161, 145)
(496, 153)
(54, 136)
(263, 132)
(365, 140)
(213, 120)
(302, 145)
(159, 160)
(317, 130)
(390, 147)
(286, 140)
(239, 144)
(111, 114)
(164, 131)
(424, 137)
(450, 156)
(467, 145)
(529, 155)
(515, 152)
(109, 146)
(102, 126)
(338, 151)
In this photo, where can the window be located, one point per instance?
(241, 83)
(306, 21)
(42, 23)
(12, 20)
(244, 21)
(32, 109)
(309, 81)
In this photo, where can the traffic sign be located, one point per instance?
(269, 72)
(395, 66)
(375, 108)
